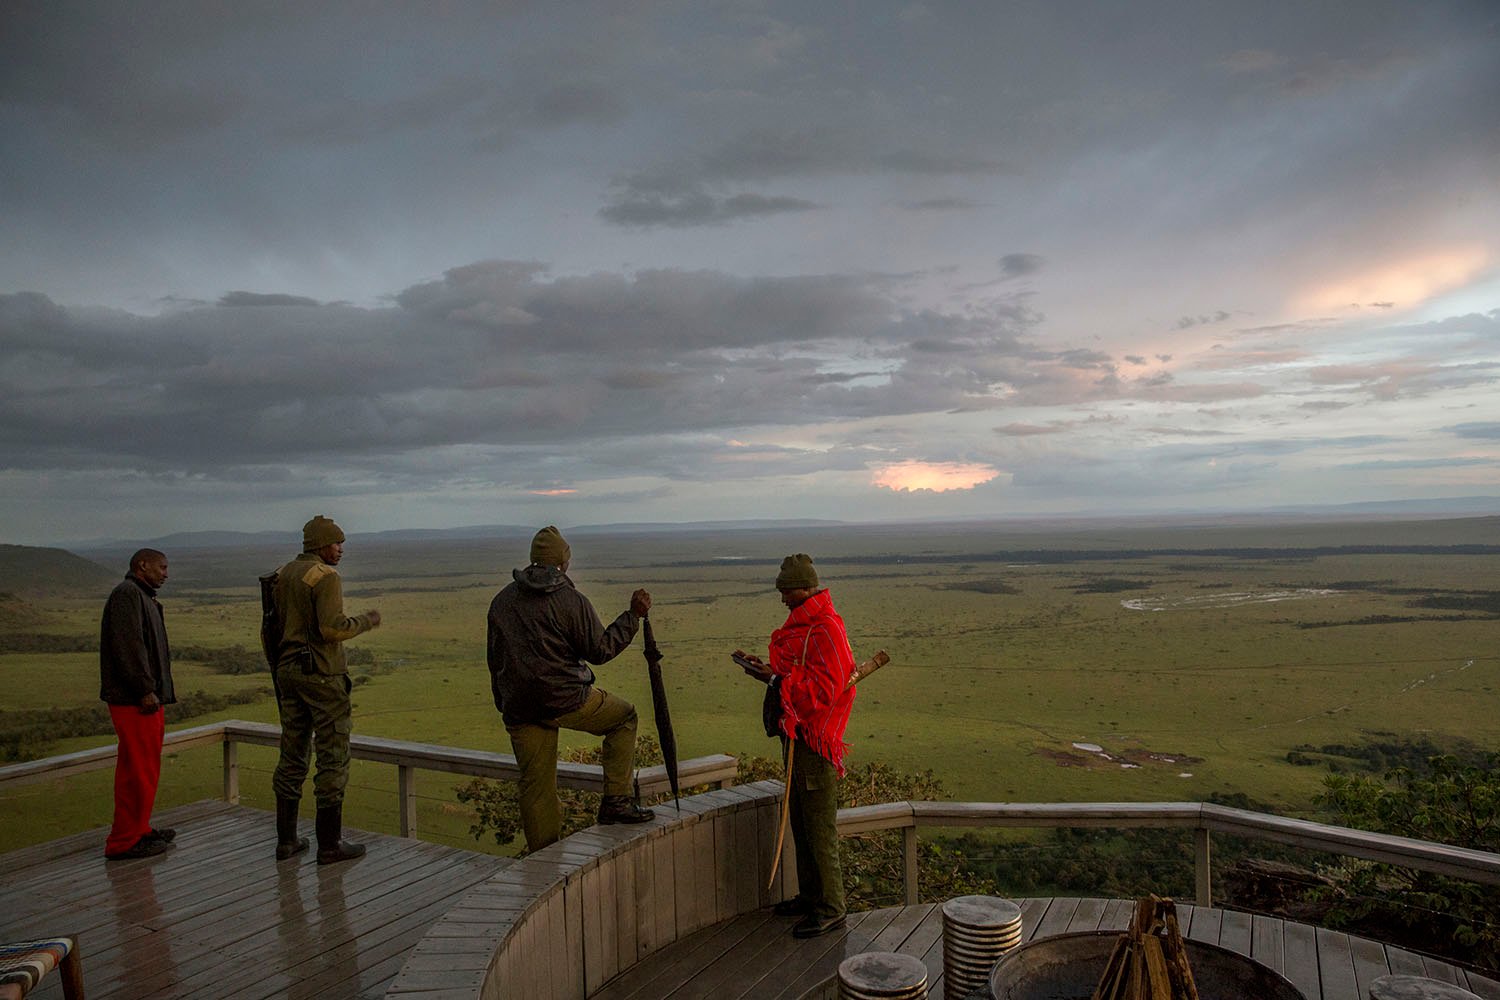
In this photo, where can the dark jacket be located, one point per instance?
(134, 659)
(541, 630)
(310, 599)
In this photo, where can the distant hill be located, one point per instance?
(30, 571)
(16, 613)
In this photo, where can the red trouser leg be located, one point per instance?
(137, 771)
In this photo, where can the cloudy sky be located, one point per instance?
(464, 263)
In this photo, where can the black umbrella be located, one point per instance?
(661, 712)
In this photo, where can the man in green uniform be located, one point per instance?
(312, 691)
(542, 635)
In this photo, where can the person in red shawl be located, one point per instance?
(808, 702)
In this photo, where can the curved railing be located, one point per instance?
(1203, 818)
(563, 921)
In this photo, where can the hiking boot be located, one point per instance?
(147, 847)
(794, 907)
(815, 926)
(619, 809)
(288, 844)
(332, 848)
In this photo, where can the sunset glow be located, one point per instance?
(1397, 284)
(552, 493)
(936, 477)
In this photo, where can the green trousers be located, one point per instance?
(314, 716)
(535, 746)
(814, 809)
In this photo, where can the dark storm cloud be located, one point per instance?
(696, 190)
(1018, 265)
(258, 299)
(1476, 431)
(1204, 319)
(697, 208)
(501, 354)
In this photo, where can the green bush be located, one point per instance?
(1447, 802)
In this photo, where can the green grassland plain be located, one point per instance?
(1045, 663)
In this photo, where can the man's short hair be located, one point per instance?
(146, 555)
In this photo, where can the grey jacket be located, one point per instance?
(542, 635)
(134, 659)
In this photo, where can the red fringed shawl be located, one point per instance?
(811, 655)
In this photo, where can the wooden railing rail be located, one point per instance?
(719, 770)
(1202, 818)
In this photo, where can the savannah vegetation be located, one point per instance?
(1240, 663)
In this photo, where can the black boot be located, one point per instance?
(288, 844)
(619, 809)
(331, 848)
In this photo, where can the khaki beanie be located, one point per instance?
(797, 573)
(318, 532)
(549, 548)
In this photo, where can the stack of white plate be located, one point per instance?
(977, 930)
(882, 975)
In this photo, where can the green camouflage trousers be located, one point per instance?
(314, 715)
(814, 809)
(535, 746)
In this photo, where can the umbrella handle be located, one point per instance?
(786, 811)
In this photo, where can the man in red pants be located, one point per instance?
(135, 679)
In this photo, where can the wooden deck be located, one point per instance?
(217, 917)
(755, 956)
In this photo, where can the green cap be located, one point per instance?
(318, 532)
(797, 573)
(549, 548)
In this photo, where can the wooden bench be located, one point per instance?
(24, 964)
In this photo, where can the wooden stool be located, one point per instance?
(26, 963)
(1417, 988)
(977, 931)
(882, 974)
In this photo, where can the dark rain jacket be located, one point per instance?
(542, 635)
(310, 600)
(134, 659)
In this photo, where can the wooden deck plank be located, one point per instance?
(1235, 932)
(1301, 951)
(666, 971)
(1267, 942)
(216, 915)
(1088, 915)
(1032, 912)
(1436, 968)
(1403, 962)
(807, 963)
(1206, 925)
(1336, 966)
(1059, 914)
(1369, 963)
(1483, 986)
(1117, 915)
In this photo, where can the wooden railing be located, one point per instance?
(719, 770)
(1202, 818)
(407, 757)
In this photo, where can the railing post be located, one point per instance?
(406, 791)
(1202, 879)
(231, 770)
(909, 855)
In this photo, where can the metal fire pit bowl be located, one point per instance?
(1068, 967)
